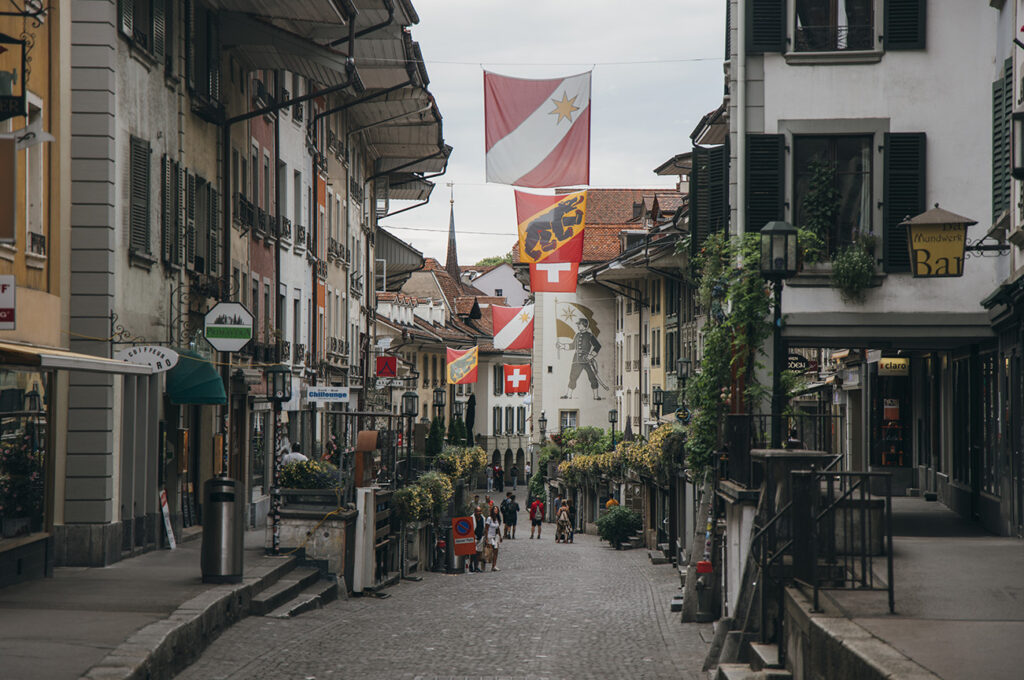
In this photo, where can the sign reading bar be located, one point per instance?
(7, 306)
(327, 393)
(894, 366)
(158, 358)
(937, 250)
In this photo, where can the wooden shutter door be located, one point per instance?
(905, 25)
(766, 180)
(159, 30)
(766, 26)
(213, 269)
(181, 231)
(903, 194)
(190, 44)
(709, 193)
(139, 196)
(1002, 108)
(126, 16)
(166, 209)
(190, 221)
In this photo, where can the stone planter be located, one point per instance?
(320, 531)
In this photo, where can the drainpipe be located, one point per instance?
(741, 120)
(352, 35)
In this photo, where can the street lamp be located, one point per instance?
(657, 399)
(613, 417)
(682, 370)
(542, 423)
(278, 380)
(410, 407)
(460, 408)
(438, 400)
(778, 263)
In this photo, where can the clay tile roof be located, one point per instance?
(384, 297)
(430, 264)
(463, 304)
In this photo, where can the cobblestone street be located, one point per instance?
(551, 611)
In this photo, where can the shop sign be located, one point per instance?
(327, 393)
(13, 53)
(894, 366)
(890, 409)
(797, 362)
(228, 326)
(7, 294)
(387, 367)
(389, 382)
(937, 250)
(158, 358)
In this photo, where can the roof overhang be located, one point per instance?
(60, 359)
(402, 260)
(406, 186)
(317, 20)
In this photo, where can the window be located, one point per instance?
(670, 350)
(521, 419)
(138, 212)
(567, 419)
(145, 23)
(296, 323)
(266, 203)
(655, 297)
(266, 313)
(510, 419)
(255, 302)
(496, 420)
(656, 347)
(202, 57)
(832, 180)
(255, 175)
(499, 379)
(34, 200)
(297, 198)
(834, 25)
(498, 292)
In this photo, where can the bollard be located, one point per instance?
(222, 550)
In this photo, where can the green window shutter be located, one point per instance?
(159, 29)
(766, 26)
(903, 194)
(709, 193)
(126, 12)
(190, 221)
(138, 210)
(1002, 107)
(905, 25)
(213, 269)
(166, 209)
(766, 180)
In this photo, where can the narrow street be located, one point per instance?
(551, 611)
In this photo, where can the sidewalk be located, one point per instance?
(118, 620)
(959, 595)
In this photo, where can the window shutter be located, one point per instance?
(766, 26)
(190, 221)
(139, 198)
(213, 57)
(181, 235)
(709, 193)
(903, 194)
(728, 31)
(190, 44)
(1002, 107)
(766, 180)
(213, 227)
(905, 25)
(166, 209)
(126, 12)
(159, 29)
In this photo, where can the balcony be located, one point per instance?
(284, 349)
(298, 112)
(286, 229)
(333, 249)
(37, 244)
(321, 269)
(355, 190)
(300, 235)
(356, 282)
(244, 212)
(299, 355)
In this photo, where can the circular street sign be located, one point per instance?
(158, 358)
(228, 326)
(462, 526)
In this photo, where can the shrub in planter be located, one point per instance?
(309, 474)
(852, 270)
(618, 524)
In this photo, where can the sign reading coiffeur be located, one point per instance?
(158, 358)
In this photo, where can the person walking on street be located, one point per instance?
(528, 470)
(562, 523)
(515, 476)
(479, 530)
(490, 478)
(512, 518)
(536, 516)
(493, 526)
(558, 504)
(504, 512)
(572, 518)
(499, 477)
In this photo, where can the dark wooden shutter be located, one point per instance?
(159, 29)
(709, 193)
(766, 26)
(139, 198)
(181, 237)
(190, 44)
(728, 31)
(1002, 107)
(214, 227)
(903, 194)
(166, 209)
(213, 56)
(905, 25)
(766, 180)
(190, 221)
(126, 16)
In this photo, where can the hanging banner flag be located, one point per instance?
(551, 227)
(537, 131)
(462, 365)
(554, 277)
(387, 367)
(513, 327)
(517, 378)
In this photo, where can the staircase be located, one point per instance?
(762, 664)
(634, 541)
(294, 591)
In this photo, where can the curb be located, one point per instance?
(163, 648)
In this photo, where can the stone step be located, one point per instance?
(657, 558)
(286, 588)
(677, 603)
(764, 656)
(312, 597)
(741, 671)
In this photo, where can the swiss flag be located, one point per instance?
(513, 327)
(517, 378)
(554, 277)
(537, 132)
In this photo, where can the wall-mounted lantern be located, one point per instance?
(937, 239)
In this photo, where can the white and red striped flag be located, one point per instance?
(537, 131)
(513, 327)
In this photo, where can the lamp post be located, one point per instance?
(542, 423)
(613, 417)
(439, 396)
(460, 408)
(279, 388)
(778, 263)
(657, 399)
(410, 407)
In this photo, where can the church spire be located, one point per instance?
(451, 264)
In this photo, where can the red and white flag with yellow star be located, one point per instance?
(513, 327)
(537, 131)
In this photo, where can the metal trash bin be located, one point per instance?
(222, 531)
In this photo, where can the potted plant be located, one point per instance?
(311, 482)
(618, 524)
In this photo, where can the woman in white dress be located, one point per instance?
(492, 525)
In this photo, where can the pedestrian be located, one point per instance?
(536, 516)
(572, 518)
(478, 533)
(490, 478)
(515, 476)
(513, 518)
(562, 523)
(528, 471)
(504, 511)
(294, 456)
(493, 525)
(794, 441)
(488, 504)
(558, 503)
(476, 502)
(499, 477)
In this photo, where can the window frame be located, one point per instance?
(869, 55)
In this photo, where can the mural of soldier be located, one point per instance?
(584, 345)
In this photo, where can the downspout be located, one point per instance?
(389, 5)
(741, 120)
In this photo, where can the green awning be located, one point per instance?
(194, 380)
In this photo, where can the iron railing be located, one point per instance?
(745, 432)
(36, 243)
(834, 38)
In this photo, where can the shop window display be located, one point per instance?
(23, 448)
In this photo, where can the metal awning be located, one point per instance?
(318, 20)
(405, 186)
(194, 380)
(62, 359)
(401, 257)
(265, 46)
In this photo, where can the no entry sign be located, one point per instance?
(463, 536)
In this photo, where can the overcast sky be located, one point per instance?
(641, 114)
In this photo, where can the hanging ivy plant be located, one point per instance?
(853, 269)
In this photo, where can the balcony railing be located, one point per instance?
(36, 243)
(355, 190)
(298, 112)
(284, 349)
(333, 249)
(286, 229)
(299, 356)
(244, 211)
(834, 38)
(321, 269)
(300, 235)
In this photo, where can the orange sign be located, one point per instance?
(463, 537)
